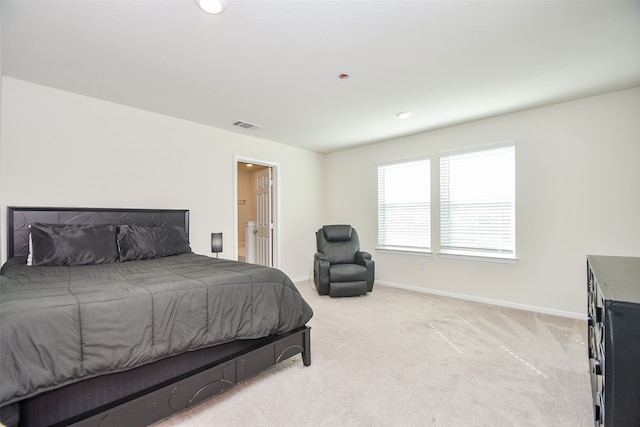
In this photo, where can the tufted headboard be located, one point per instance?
(19, 218)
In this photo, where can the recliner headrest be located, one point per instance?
(337, 233)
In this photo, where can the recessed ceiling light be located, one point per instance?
(404, 115)
(211, 6)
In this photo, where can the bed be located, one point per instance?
(108, 318)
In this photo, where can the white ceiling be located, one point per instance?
(276, 63)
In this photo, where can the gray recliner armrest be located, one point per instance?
(319, 256)
(321, 273)
(365, 259)
(362, 257)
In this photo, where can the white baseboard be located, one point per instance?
(300, 279)
(580, 316)
(303, 278)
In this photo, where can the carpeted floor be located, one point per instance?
(402, 358)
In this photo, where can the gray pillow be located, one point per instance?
(72, 244)
(137, 242)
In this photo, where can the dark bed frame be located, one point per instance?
(151, 392)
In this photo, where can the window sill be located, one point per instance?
(503, 259)
(406, 251)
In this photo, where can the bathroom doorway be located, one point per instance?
(256, 216)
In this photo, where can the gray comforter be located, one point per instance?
(62, 324)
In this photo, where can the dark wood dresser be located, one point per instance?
(614, 339)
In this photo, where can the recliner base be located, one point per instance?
(347, 289)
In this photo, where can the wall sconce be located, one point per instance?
(216, 243)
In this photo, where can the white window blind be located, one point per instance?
(477, 201)
(404, 205)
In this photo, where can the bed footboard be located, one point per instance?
(171, 398)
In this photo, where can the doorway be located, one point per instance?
(256, 211)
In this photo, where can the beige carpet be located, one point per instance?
(402, 358)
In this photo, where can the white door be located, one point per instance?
(264, 218)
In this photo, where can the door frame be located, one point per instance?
(275, 176)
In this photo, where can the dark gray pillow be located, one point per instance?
(137, 242)
(73, 244)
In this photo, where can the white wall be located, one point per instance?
(62, 149)
(577, 177)
(577, 185)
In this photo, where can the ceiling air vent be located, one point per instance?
(246, 125)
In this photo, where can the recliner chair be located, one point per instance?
(340, 269)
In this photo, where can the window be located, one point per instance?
(404, 205)
(477, 201)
